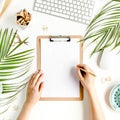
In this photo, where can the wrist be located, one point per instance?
(91, 91)
(28, 105)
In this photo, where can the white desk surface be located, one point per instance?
(57, 26)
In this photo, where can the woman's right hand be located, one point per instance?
(86, 78)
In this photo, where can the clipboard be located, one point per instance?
(53, 43)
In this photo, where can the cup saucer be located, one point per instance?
(114, 98)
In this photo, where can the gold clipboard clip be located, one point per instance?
(60, 38)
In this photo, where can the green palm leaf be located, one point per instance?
(14, 67)
(104, 29)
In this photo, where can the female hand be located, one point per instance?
(86, 78)
(35, 88)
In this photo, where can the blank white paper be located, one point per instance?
(58, 62)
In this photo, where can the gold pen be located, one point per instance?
(88, 72)
(5, 6)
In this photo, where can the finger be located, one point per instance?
(84, 66)
(79, 74)
(31, 79)
(36, 77)
(39, 80)
(41, 86)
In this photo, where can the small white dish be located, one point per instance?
(114, 98)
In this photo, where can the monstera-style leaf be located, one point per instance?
(14, 67)
(104, 29)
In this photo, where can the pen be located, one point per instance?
(88, 72)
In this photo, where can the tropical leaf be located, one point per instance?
(14, 67)
(104, 29)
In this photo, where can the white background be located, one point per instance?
(56, 26)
